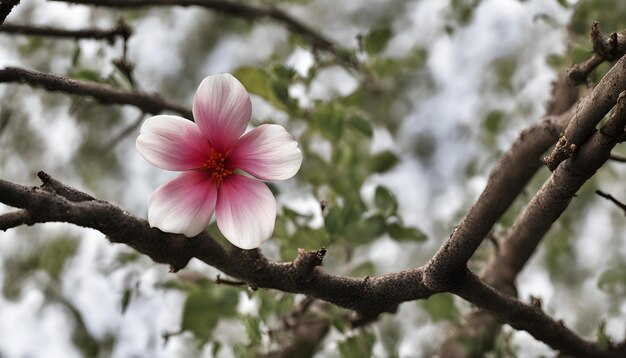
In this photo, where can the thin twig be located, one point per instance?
(240, 9)
(612, 199)
(123, 134)
(610, 49)
(617, 158)
(121, 30)
(5, 9)
(224, 281)
(152, 104)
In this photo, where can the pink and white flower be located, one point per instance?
(222, 168)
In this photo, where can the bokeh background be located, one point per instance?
(400, 148)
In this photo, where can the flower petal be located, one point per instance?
(222, 109)
(246, 211)
(268, 152)
(184, 205)
(172, 143)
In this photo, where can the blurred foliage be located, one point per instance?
(358, 345)
(335, 132)
(50, 257)
(586, 12)
(441, 307)
(206, 304)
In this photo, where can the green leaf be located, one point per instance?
(365, 269)
(377, 39)
(358, 346)
(256, 80)
(403, 233)
(604, 341)
(89, 75)
(493, 121)
(274, 304)
(253, 329)
(361, 124)
(329, 121)
(334, 220)
(505, 69)
(51, 257)
(385, 201)
(383, 161)
(281, 92)
(367, 230)
(205, 306)
(613, 280)
(128, 294)
(55, 253)
(306, 238)
(441, 307)
(315, 170)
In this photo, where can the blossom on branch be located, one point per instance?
(222, 168)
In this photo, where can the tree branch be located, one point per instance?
(300, 332)
(531, 226)
(480, 326)
(552, 199)
(612, 199)
(509, 177)
(610, 49)
(14, 219)
(121, 30)
(5, 9)
(240, 9)
(530, 318)
(590, 112)
(153, 104)
(369, 296)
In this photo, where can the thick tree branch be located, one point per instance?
(552, 199)
(121, 30)
(5, 9)
(506, 181)
(148, 103)
(480, 326)
(523, 238)
(590, 112)
(240, 9)
(530, 318)
(369, 296)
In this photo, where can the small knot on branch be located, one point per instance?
(597, 40)
(535, 302)
(223, 281)
(52, 185)
(123, 29)
(306, 262)
(563, 150)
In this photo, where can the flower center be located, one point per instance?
(216, 165)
